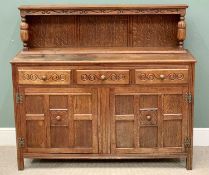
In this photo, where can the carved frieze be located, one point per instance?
(25, 12)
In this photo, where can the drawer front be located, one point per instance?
(44, 77)
(102, 76)
(161, 76)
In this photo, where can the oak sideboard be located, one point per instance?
(103, 82)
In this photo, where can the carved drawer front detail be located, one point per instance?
(49, 77)
(59, 118)
(102, 76)
(148, 117)
(155, 76)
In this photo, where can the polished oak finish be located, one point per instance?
(103, 82)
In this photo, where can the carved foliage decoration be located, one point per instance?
(44, 77)
(99, 11)
(52, 77)
(95, 77)
(153, 76)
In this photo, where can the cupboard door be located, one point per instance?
(60, 120)
(148, 120)
(174, 112)
(33, 114)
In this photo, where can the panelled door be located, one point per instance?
(148, 120)
(59, 120)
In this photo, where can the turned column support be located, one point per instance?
(24, 33)
(181, 36)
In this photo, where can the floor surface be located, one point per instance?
(8, 165)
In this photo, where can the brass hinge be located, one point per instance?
(19, 98)
(187, 142)
(188, 97)
(21, 142)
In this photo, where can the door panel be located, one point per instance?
(60, 119)
(83, 133)
(148, 137)
(59, 136)
(35, 134)
(124, 121)
(58, 101)
(124, 105)
(172, 133)
(174, 112)
(34, 104)
(144, 122)
(124, 134)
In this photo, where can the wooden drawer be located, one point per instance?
(162, 76)
(44, 77)
(102, 76)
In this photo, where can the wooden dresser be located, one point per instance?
(103, 82)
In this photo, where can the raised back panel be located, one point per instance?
(103, 31)
(52, 31)
(155, 31)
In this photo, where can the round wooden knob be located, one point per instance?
(58, 118)
(162, 77)
(44, 78)
(149, 117)
(103, 77)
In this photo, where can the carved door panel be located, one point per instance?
(148, 120)
(60, 120)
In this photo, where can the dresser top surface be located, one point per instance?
(98, 6)
(104, 58)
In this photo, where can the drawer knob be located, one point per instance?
(103, 77)
(149, 117)
(58, 118)
(162, 77)
(44, 78)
